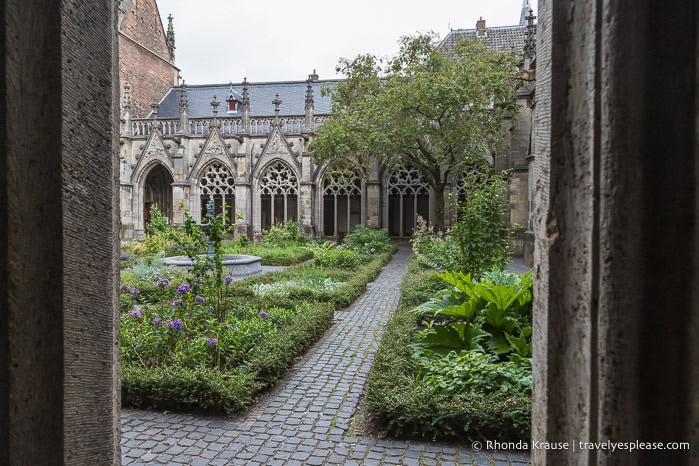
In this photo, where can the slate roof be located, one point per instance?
(291, 93)
(500, 38)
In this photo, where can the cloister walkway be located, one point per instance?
(306, 420)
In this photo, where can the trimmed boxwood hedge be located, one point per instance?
(398, 405)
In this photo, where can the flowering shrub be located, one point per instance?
(186, 333)
(434, 249)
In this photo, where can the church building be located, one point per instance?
(246, 144)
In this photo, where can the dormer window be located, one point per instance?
(232, 100)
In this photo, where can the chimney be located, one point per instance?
(480, 27)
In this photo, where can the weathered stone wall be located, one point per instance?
(59, 371)
(615, 223)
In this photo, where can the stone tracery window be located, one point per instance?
(342, 200)
(218, 181)
(408, 197)
(476, 176)
(278, 194)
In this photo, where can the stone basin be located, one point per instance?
(236, 265)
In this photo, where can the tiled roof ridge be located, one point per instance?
(259, 83)
(489, 28)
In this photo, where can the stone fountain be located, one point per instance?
(236, 265)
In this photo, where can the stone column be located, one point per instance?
(615, 356)
(243, 209)
(59, 223)
(375, 211)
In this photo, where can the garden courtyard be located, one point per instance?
(366, 352)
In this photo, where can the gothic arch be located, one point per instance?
(406, 195)
(340, 200)
(275, 194)
(216, 179)
(153, 185)
(154, 151)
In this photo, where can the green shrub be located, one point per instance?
(280, 255)
(367, 240)
(286, 233)
(182, 388)
(336, 257)
(475, 371)
(476, 243)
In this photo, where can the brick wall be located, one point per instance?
(148, 76)
(142, 24)
(144, 58)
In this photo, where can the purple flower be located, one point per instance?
(134, 292)
(200, 299)
(175, 324)
(176, 303)
(155, 321)
(263, 314)
(163, 282)
(183, 288)
(135, 314)
(228, 279)
(228, 327)
(211, 342)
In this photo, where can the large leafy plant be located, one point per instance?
(469, 312)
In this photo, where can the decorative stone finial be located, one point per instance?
(184, 100)
(276, 103)
(530, 40)
(246, 95)
(214, 106)
(309, 92)
(170, 36)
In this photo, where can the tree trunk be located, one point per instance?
(437, 206)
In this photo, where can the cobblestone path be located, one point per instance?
(305, 422)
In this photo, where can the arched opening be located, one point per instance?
(278, 195)
(157, 190)
(408, 197)
(216, 180)
(342, 201)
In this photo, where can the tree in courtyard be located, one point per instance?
(436, 110)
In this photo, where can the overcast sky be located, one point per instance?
(218, 41)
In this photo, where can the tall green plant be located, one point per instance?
(479, 231)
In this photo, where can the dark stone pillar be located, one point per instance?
(615, 221)
(59, 376)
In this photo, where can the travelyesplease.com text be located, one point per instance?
(579, 445)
